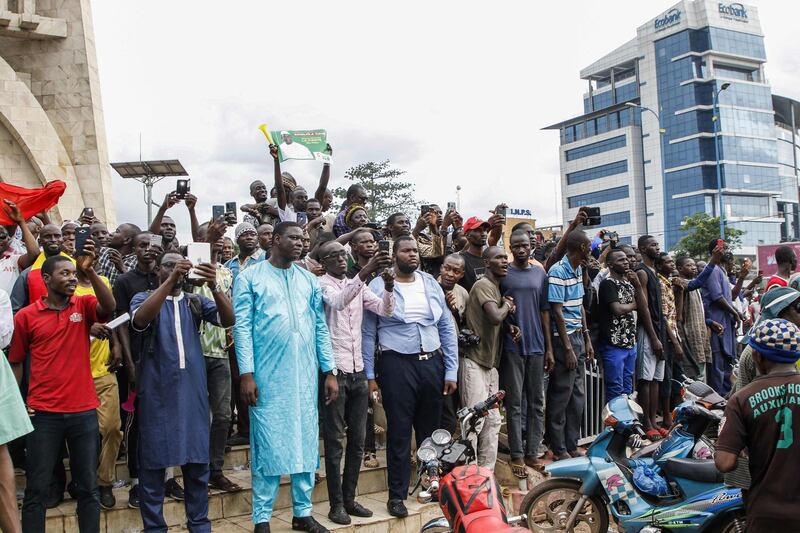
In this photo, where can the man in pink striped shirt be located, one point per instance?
(345, 301)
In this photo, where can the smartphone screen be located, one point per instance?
(230, 207)
(182, 188)
(81, 236)
(383, 245)
(156, 241)
(424, 208)
(720, 243)
(451, 206)
(217, 211)
(198, 252)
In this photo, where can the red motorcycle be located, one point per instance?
(469, 495)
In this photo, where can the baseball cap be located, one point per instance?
(474, 223)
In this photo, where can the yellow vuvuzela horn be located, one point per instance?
(265, 131)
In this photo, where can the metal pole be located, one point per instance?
(715, 120)
(148, 185)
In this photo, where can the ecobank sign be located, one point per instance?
(733, 12)
(670, 18)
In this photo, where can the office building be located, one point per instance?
(644, 148)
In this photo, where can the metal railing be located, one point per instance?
(594, 402)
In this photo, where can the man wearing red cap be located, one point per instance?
(477, 232)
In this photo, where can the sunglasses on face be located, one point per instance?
(337, 255)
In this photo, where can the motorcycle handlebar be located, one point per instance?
(492, 402)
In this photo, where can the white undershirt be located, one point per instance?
(414, 299)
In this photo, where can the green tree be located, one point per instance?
(387, 193)
(700, 229)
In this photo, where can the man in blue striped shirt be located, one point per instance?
(571, 346)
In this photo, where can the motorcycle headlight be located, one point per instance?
(441, 437)
(426, 453)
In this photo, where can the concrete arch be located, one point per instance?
(30, 127)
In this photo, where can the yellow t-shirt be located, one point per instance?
(99, 350)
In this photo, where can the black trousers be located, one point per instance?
(412, 397)
(349, 410)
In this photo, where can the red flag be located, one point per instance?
(30, 201)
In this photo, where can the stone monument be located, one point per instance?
(51, 113)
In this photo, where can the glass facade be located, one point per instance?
(616, 219)
(596, 148)
(623, 93)
(603, 123)
(598, 197)
(598, 172)
(738, 129)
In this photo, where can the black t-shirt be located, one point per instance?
(355, 269)
(125, 288)
(762, 417)
(474, 270)
(616, 330)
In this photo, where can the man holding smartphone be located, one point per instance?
(173, 399)
(345, 301)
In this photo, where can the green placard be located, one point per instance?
(302, 144)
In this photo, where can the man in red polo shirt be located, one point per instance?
(54, 333)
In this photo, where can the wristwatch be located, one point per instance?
(333, 372)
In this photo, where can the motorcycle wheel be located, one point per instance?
(733, 523)
(549, 505)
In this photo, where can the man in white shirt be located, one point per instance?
(292, 202)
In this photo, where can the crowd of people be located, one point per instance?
(313, 318)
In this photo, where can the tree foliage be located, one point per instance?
(700, 229)
(387, 193)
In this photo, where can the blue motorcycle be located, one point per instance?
(584, 491)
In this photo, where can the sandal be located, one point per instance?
(370, 461)
(519, 470)
(224, 484)
(653, 434)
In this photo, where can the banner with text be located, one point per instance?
(302, 144)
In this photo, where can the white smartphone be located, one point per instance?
(198, 252)
(156, 240)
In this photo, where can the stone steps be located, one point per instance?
(223, 506)
(380, 522)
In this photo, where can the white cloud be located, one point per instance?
(432, 86)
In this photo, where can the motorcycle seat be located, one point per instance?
(700, 470)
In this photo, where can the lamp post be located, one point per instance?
(715, 120)
(661, 132)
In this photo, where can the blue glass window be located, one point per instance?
(592, 198)
(616, 219)
(598, 172)
(596, 148)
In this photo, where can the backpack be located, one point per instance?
(470, 494)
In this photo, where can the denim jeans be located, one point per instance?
(349, 410)
(565, 396)
(218, 372)
(81, 431)
(522, 377)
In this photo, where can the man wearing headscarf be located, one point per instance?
(759, 418)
